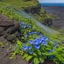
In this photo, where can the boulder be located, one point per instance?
(10, 38)
(33, 10)
(1, 30)
(8, 28)
(6, 23)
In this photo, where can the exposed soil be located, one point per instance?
(5, 54)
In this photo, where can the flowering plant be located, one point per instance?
(42, 48)
(38, 48)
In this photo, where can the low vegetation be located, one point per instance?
(33, 45)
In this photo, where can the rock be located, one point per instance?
(16, 33)
(48, 22)
(6, 23)
(33, 10)
(5, 35)
(13, 29)
(1, 30)
(16, 24)
(10, 38)
(8, 28)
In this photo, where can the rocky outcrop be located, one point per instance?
(8, 29)
(33, 10)
(48, 22)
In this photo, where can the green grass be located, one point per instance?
(21, 4)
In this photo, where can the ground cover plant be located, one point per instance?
(20, 4)
(36, 47)
(33, 45)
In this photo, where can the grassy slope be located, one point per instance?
(20, 4)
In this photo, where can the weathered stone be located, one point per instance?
(1, 30)
(6, 23)
(5, 35)
(16, 33)
(8, 28)
(48, 22)
(10, 38)
(33, 10)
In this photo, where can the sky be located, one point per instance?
(51, 1)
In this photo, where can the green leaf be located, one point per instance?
(39, 52)
(34, 54)
(25, 55)
(36, 61)
(28, 58)
(41, 60)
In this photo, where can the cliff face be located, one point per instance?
(33, 10)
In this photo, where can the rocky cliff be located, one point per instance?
(9, 29)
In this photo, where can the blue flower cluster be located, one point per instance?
(28, 27)
(32, 33)
(36, 43)
(23, 25)
(27, 48)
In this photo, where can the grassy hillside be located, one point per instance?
(20, 4)
(32, 35)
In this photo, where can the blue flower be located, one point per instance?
(31, 42)
(38, 33)
(29, 26)
(52, 50)
(23, 26)
(34, 32)
(49, 51)
(46, 39)
(36, 41)
(37, 46)
(41, 38)
(21, 23)
(25, 48)
(30, 33)
(55, 45)
(29, 47)
(25, 35)
(44, 43)
(30, 51)
(51, 56)
(40, 41)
